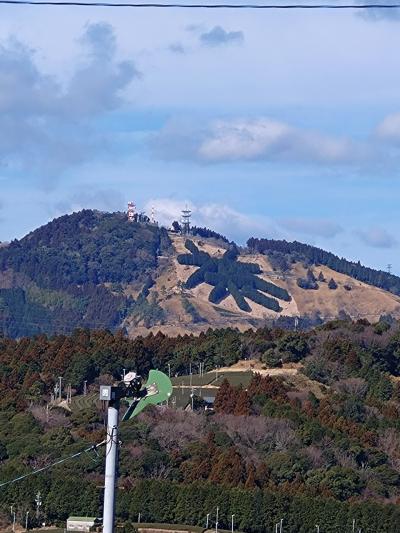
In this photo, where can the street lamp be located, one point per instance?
(317, 526)
(232, 523)
(216, 521)
(207, 520)
(26, 520)
(354, 525)
(280, 525)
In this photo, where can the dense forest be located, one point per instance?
(71, 272)
(283, 253)
(323, 448)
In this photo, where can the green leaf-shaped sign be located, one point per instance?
(159, 389)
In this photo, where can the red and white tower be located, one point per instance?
(131, 211)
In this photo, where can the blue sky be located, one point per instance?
(270, 124)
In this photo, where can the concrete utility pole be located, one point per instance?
(38, 501)
(60, 387)
(157, 390)
(111, 465)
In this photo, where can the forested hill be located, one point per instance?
(284, 252)
(318, 443)
(69, 272)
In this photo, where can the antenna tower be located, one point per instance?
(153, 215)
(131, 211)
(389, 268)
(185, 221)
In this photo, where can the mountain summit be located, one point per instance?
(99, 270)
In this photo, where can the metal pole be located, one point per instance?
(232, 522)
(111, 467)
(138, 518)
(280, 526)
(317, 526)
(169, 370)
(26, 520)
(216, 521)
(85, 387)
(60, 386)
(354, 525)
(207, 519)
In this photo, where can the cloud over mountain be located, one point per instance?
(377, 237)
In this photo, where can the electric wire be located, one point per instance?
(160, 5)
(51, 465)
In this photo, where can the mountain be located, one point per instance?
(98, 270)
(71, 271)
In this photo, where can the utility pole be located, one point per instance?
(60, 387)
(111, 463)
(232, 517)
(354, 525)
(138, 518)
(317, 527)
(38, 501)
(157, 390)
(216, 521)
(169, 370)
(85, 387)
(280, 526)
(13, 517)
(207, 520)
(26, 520)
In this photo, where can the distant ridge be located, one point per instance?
(318, 256)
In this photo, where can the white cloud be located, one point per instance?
(265, 138)
(389, 128)
(254, 139)
(377, 237)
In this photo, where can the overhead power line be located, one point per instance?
(51, 465)
(197, 6)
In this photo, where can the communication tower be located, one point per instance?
(185, 221)
(153, 215)
(131, 211)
